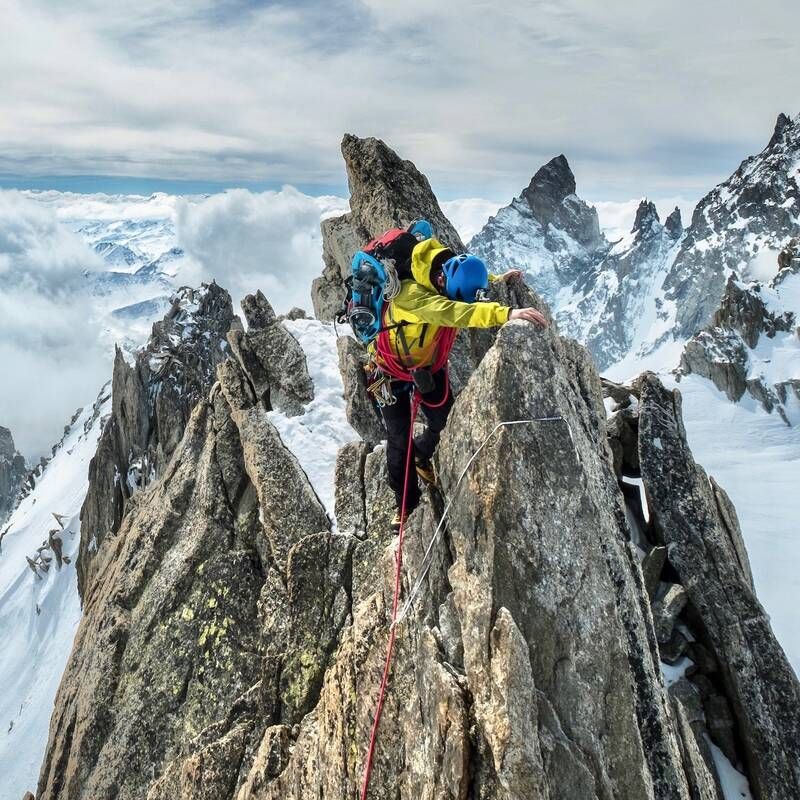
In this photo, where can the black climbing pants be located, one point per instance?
(397, 419)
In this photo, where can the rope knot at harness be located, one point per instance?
(399, 615)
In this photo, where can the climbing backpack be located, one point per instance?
(375, 276)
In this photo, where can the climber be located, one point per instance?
(788, 254)
(445, 293)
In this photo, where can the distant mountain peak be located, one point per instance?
(646, 217)
(674, 224)
(755, 210)
(780, 126)
(548, 188)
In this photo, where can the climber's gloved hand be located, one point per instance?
(529, 315)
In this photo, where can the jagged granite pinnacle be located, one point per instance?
(371, 167)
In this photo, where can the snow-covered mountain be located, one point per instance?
(660, 284)
(548, 231)
(739, 226)
(613, 309)
(600, 292)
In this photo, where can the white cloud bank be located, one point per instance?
(50, 355)
(247, 241)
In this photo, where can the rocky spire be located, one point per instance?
(12, 473)
(647, 220)
(674, 224)
(548, 188)
(371, 166)
(780, 125)
(152, 401)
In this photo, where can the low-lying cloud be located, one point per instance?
(247, 241)
(56, 336)
(470, 214)
(50, 354)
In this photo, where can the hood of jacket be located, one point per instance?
(426, 255)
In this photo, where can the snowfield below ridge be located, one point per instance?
(39, 615)
(316, 436)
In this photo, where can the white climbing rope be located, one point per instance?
(427, 559)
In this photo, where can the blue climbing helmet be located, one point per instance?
(421, 229)
(465, 278)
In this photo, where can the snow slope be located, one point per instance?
(316, 436)
(756, 459)
(39, 615)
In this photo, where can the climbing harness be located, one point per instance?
(427, 560)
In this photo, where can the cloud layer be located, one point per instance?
(50, 354)
(642, 99)
(247, 241)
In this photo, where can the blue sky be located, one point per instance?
(196, 96)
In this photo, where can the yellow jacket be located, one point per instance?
(425, 311)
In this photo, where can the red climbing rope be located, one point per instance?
(389, 362)
(395, 603)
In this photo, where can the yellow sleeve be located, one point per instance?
(435, 309)
(493, 278)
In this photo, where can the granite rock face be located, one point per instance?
(12, 474)
(272, 357)
(152, 401)
(693, 517)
